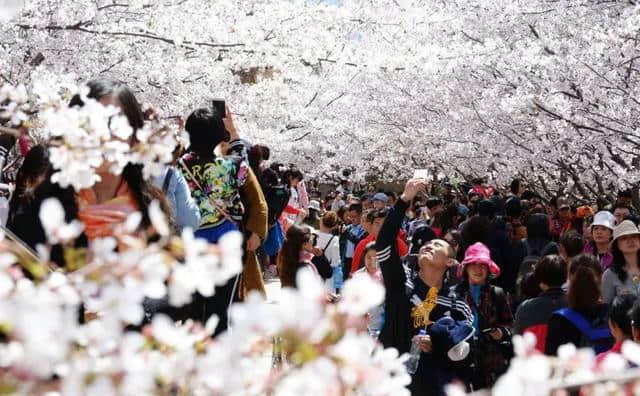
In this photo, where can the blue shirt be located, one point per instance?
(185, 210)
(350, 247)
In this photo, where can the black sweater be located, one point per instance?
(398, 329)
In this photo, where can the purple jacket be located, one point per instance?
(607, 259)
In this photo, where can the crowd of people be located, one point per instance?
(487, 264)
(465, 267)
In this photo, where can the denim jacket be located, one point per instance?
(185, 210)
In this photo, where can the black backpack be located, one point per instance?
(277, 197)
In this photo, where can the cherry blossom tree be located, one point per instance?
(544, 90)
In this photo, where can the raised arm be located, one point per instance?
(386, 243)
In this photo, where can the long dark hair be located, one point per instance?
(289, 256)
(142, 190)
(584, 288)
(292, 173)
(619, 263)
(35, 170)
(258, 153)
(33, 185)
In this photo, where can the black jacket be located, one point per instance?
(537, 311)
(399, 327)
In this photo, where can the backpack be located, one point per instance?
(277, 197)
(322, 263)
(529, 261)
(598, 338)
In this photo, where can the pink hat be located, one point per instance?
(479, 253)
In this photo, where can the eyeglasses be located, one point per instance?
(564, 208)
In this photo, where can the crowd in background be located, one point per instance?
(515, 262)
(465, 266)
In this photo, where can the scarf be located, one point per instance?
(101, 220)
(475, 294)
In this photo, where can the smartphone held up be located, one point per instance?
(220, 107)
(421, 174)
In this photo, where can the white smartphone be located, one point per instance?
(421, 174)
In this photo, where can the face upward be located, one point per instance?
(435, 253)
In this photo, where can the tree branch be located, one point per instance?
(79, 27)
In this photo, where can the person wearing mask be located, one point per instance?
(298, 251)
(533, 314)
(492, 318)
(619, 325)
(584, 322)
(416, 302)
(624, 274)
(601, 234)
(329, 243)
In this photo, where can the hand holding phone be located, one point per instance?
(220, 106)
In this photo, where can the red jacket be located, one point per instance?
(403, 250)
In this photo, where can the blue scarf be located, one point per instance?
(475, 293)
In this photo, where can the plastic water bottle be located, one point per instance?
(414, 354)
(337, 277)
